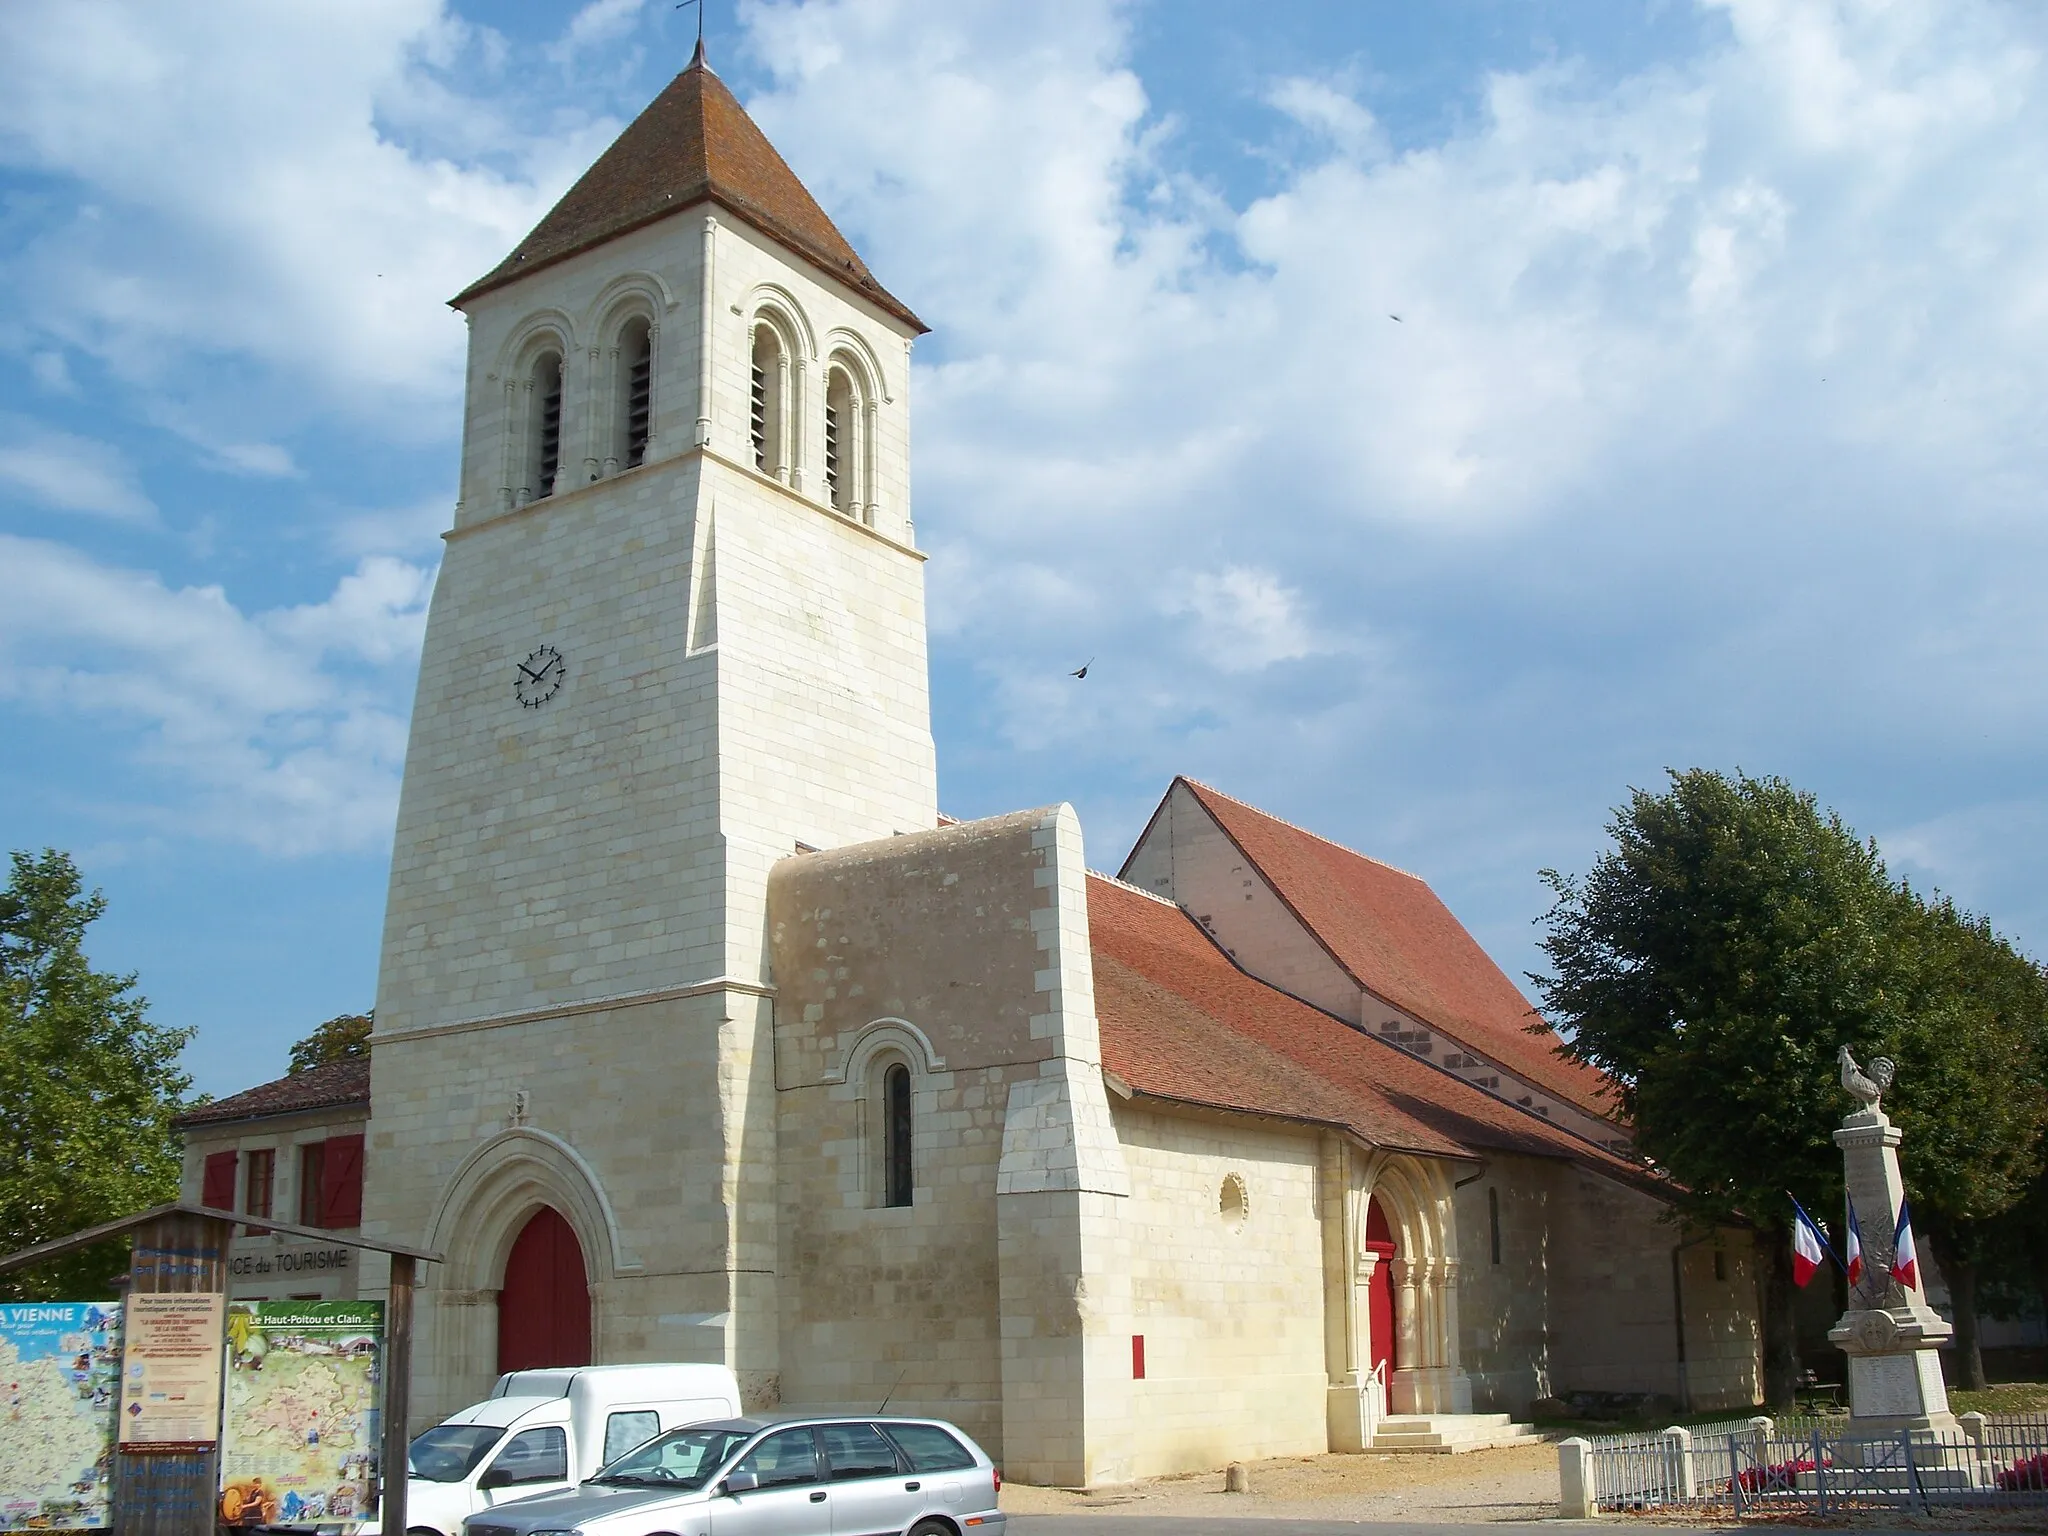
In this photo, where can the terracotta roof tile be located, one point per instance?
(693, 143)
(1180, 1021)
(329, 1087)
(1397, 938)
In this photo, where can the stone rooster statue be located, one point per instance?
(1866, 1089)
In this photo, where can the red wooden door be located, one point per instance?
(1379, 1290)
(544, 1310)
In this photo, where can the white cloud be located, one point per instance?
(1245, 619)
(298, 187)
(72, 474)
(269, 461)
(597, 25)
(267, 727)
(52, 374)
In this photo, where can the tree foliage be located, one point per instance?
(1714, 959)
(88, 1085)
(345, 1037)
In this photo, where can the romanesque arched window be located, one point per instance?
(897, 1131)
(849, 437)
(768, 386)
(636, 391)
(544, 433)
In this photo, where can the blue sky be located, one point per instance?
(1711, 432)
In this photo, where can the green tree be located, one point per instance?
(345, 1037)
(1711, 962)
(88, 1085)
(1972, 1096)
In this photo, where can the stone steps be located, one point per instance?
(1449, 1434)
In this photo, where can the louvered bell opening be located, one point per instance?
(758, 416)
(639, 402)
(832, 493)
(549, 385)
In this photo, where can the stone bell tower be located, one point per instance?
(678, 633)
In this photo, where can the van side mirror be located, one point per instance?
(739, 1482)
(497, 1477)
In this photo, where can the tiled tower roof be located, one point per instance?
(693, 144)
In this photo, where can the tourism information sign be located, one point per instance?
(60, 1375)
(299, 1443)
(170, 1372)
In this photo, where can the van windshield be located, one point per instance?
(448, 1453)
(682, 1458)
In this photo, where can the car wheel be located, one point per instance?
(932, 1528)
(421, 1530)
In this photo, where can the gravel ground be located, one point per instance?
(1519, 1483)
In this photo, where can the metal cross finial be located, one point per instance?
(682, 5)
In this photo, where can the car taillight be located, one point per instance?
(999, 1478)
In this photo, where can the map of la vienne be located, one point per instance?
(60, 1373)
(299, 1441)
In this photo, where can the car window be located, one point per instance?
(533, 1456)
(930, 1448)
(857, 1450)
(448, 1453)
(683, 1457)
(623, 1431)
(785, 1457)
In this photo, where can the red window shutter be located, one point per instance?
(341, 1183)
(219, 1189)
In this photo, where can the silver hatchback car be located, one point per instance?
(776, 1475)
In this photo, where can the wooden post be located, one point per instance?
(397, 1393)
(173, 1494)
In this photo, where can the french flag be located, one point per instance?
(1905, 1262)
(1854, 1268)
(1808, 1247)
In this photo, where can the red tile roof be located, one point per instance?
(1180, 1021)
(337, 1084)
(1390, 931)
(694, 143)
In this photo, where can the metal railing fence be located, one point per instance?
(1825, 1466)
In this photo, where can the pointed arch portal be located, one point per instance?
(544, 1309)
(1379, 1288)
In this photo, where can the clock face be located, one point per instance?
(539, 677)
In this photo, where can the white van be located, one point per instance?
(544, 1431)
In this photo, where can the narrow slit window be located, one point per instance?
(1493, 1221)
(896, 1140)
(637, 348)
(832, 490)
(547, 394)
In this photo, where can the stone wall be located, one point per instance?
(1230, 1305)
(962, 954)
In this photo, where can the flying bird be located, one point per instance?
(1866, 1090)
(1082, 670)
(1397, 319)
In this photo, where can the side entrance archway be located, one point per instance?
(1379, 1290)
(544, 1309)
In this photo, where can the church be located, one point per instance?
(701, 1034)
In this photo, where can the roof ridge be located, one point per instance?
(1224, 794)
(1136, 890)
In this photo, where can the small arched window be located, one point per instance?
(896, 1135)
(636, 392)
(766, 385)
(544, 455)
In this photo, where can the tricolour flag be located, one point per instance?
(1905, 1262)
(1808, 1247)
(1854, 1267)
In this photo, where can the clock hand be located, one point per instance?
(535, 676)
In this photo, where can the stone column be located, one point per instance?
(1889, 1332)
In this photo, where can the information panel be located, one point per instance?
(170, 1372)
(299, 1445)
(60, 1376)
